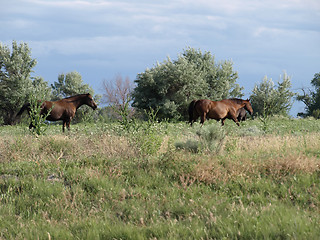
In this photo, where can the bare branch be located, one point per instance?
(118, 91)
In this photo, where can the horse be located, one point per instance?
(63, 109)
(241, 115)
(226, 108)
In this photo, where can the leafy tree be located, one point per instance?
(268, 100)
(15, 81)
(71, 84)
(312, 99)
(68, 85)
(172, 85)
(40, 89)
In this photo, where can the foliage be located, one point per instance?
(41, 89)
(267, 100)
(38, 124)
(312, 99)
(15, 81)
(150, 138)
(124, 112)
(68, 85)
(171, 85)
(146, 136)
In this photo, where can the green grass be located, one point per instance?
(101, 182)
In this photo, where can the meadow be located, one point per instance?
(154, 180)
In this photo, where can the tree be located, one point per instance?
(312, 99)
(172, 85)
(15, 81)
(68, 85)
(40, 89)
(71, 84)
(117, 94)
(267, 100)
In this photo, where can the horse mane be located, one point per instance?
(237, 100)
(76, 96)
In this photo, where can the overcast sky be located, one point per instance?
(102, 39)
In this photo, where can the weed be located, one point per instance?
(38, 120)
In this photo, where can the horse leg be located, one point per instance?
(235, 120)
(203, 118)
(68, 121)
(233, 115)
(68, 125)
(191, 121)
(222, 121)
(64, 125)
(194, 118)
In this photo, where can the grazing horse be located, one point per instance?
(241, 115)
(63, 109)
(226, 108)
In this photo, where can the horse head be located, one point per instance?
(90, 102)
(248, 106)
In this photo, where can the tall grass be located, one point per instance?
(96, 182)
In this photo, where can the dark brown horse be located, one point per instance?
(227, 108)
(241, 115)
(63, 109)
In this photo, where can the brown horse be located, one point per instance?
(63, 109)
(227, 108)
(241, 115)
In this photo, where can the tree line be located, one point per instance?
(168, 87)
(17, 86)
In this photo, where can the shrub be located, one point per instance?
(210, 138)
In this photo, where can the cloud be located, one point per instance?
(70, 4)
(134, 34)
(165, 18)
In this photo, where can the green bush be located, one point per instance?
(38, 124)
(209, 138)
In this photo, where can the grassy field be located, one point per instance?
(162, 181)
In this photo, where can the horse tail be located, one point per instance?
(24, 107)
(190, 110)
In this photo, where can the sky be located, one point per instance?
(103, 39)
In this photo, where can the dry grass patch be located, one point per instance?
(275, 156)
(274, 143)
(107, 145)
(53, 148)
(290, 164)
